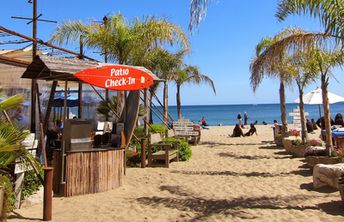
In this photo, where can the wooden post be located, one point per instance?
(145, 127)
(81, 56)
(48, 194)
(165, 102)
(34, 53)
(145, 132)
(80, 101)
(2, 203)
(63, 137)
(143, 152)
(44, 151)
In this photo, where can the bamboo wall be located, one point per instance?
(93, 172)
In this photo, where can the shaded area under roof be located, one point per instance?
(51, 68)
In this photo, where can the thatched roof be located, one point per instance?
(50, 68)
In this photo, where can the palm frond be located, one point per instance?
(330, 12)
(198, 9)
(11, 102)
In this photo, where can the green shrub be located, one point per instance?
(155, 128)
(184, 148)
(9, 197)
(31, 183)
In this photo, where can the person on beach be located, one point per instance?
(239, 119)
(309, 126)
(245, 118)
(275, 123)
(338, 119)
(321, 123)
(237, 131)
(252, 130)
(204, 122)
(314, 124)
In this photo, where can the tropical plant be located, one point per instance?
(107, 107)
(327, 55)
(263, 66)
(330, 12)
(189, 74)
(326, 61)
(164, 64)
(305, 71)
(125, 42)
(198, 9)
(11, 138)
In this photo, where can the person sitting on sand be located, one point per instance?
(265, 123)
(275, 123)
(204, 123)
(321, 122)
(252, 130)
(314, 124)
(237, 131)
(309, 126)
(338, 119)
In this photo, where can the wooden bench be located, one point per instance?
(186, 129)
(167, 153)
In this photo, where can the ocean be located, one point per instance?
(227, 114)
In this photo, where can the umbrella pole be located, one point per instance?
(319, 111)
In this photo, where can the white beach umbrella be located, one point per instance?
(315, 97)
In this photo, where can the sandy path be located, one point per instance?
(227, 179)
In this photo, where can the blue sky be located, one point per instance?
(222, 47)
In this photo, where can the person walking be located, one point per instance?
(245, 118)
(239, 119)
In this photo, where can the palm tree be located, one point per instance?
(123, 41)
(331, 16)
(164, 64)
(325, 60)
(304, 70)
(262, 66)
(189, 74)
(330, 12)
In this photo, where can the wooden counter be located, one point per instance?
(89, 171)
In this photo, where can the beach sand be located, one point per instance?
(226, 179)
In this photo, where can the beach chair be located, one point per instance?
(167, 151)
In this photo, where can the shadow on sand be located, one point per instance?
(335, 208)
(214, 144)
(252, 157)
(326, 189)
(231, 173)
(235, 207)
(15, 215)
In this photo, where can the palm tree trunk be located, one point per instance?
(327, 117)
(178, 102)
(283, 108)
(165, 102)
(302, 115)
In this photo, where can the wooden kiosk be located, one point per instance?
(79, 167)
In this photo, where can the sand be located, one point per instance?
(226, 179)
